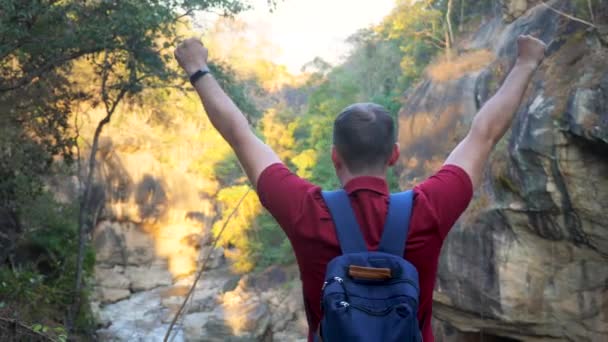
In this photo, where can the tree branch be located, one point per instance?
(76, 137)
(591, 15)
(571, 17)
(47, 67)
(14, 325)
(434, 40)
(11, 49)
(179, 17)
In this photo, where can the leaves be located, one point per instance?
(383, 63)
(59, 333)
(237, 237)
(57, 57)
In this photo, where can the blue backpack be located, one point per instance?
(370, 296)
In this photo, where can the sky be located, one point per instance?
(305, 29)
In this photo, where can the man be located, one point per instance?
(364, 147)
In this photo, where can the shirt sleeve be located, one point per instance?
(283, 193)
(447, 194)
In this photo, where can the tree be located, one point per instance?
(419, 21)
(448, 21)
(126, 42)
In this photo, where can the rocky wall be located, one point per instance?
(527, 261)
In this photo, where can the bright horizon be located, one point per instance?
(304, 29)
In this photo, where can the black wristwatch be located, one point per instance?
(198, 74)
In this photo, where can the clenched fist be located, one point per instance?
(191, 55)
(530, 50)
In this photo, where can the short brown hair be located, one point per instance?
(364, 135)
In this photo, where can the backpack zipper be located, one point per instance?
(334, 279)
(371, 312)
(330, 281)
(393, 282)
(341, 282)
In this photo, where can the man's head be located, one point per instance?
(364, 140)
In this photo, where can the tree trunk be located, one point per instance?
(83, 222)
(449, 35)
(448, 45)
(84, 215)
(9, 221)
(448, 20)
(461, 18)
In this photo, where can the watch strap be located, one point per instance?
(198, 74)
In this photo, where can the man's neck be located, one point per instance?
(347, 176)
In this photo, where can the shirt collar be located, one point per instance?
(376, 184)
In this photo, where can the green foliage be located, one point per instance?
(127, 45)
(228, 170)
(40, 282)
(240, 90)
(56, 56)
(58, 334)
(218, 163)
(418, 29)
(33, 127)
(238, 238)
(53, 229)
(384, 62)
(271, 246)
(585, 9)
(368, 75)
(122, 49)
(25, 284)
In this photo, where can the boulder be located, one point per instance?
(148, 277)
(139, 245)
(248, 321)
(122, 243)
(270, 278)
(194, 326)
(215, 255)
(513, 9)
(108, 244)
(587, 111)
(111, 285)
(111, 278)
(108, 295)
(205, 304)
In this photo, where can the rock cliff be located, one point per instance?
(527, 261)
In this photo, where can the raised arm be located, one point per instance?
(496, 115)
(225, 116)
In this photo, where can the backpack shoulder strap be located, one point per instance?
(348, 231)
(397, 223)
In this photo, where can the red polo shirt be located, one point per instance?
(299, 209)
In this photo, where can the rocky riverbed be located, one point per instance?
(136, 296)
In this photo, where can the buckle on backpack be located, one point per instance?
(369, 273)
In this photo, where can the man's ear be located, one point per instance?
(394, 155)
(335, 158)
